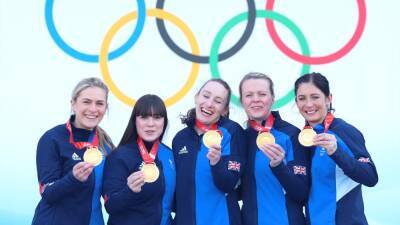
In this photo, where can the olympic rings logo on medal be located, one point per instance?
(249, 16)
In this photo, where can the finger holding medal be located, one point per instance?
(82, 171)
(70, 160)
(270, 139)
(135, 181)
(140, 176)
(214, 154)
(274, 152)
(326, 141)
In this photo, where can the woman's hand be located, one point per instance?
(214, 154)
(82, 171)
(326, 141)
(135, 181)
(274, 152)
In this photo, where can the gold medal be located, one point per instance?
(265, 138)
(212, 137)
(306, 137)
(93, 155)
(150, 171)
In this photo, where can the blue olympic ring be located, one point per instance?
(89, 57)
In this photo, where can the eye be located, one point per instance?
(315, 97)
(101, 103)
(218, 101)
(157, 117)
(300, 98)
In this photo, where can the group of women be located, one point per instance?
(281, 174)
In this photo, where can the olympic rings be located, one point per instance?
(89, 57)
(195, 56)
(260, 14)
(205, 59)
(319, 59)
(158, 14)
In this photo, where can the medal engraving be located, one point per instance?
(151, 172)
(306, 137)
(211, 137)
(93, 156)
(265, 138)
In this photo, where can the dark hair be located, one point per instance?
(318, 80)
(147, 105)
(191, 113)
(256, 75)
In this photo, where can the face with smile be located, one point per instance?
(89, 107)
(256, 98)
(211, 102)
(312, 103)
(149, 128)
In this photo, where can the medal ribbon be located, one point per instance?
(82, 144)
(204, 127)
(268, 125)
(328, 121)
(147, 157)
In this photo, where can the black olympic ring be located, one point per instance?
(205, 59)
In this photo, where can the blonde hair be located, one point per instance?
(104, 139)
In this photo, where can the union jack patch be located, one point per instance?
(364, 160)
(234, 166)
(299, 170)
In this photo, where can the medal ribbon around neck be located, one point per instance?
(82, 144)
(328, 121)
(204, 127)
(147, 157)
(268, 124)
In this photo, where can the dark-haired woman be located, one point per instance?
(341, 163)
(139, 177)
(208, 156)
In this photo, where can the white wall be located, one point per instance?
(36, 77)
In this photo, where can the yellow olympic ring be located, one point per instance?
(161, 14)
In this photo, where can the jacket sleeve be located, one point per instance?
(227, 172)
(359, 168)
(53, 185)
(116, 192)
(294, 175)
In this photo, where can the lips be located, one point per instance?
(149, 132)
(205, 111)
(91, 116)
(310, 112)
(258, 107)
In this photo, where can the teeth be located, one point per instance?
(206, 111)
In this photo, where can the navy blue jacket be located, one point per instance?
(335, 196)
(275, 195)
(206, 195)
(66, 200)
(153, 204)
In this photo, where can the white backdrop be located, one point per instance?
(37, 76)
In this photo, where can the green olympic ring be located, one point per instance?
(260, 14)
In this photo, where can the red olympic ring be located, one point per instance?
(314, 60)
